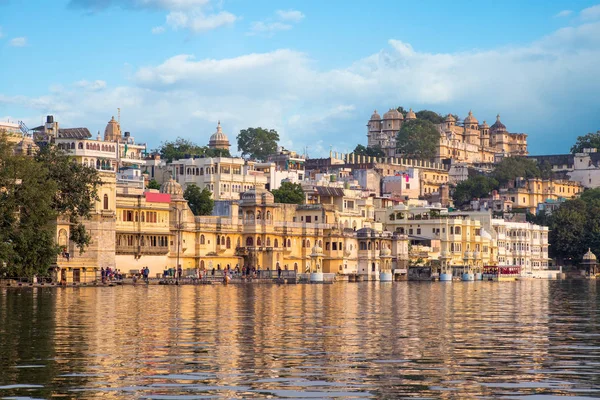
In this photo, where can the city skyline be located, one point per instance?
(176, 67)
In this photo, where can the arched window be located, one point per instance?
(106, 202)
(289, 243)
(268, 242)
(249, 241)
(218, 240)
(369, 246)
(308, 243)
(275, 243)
(98, 164)
(202, 239)
(258, 242)
(268, 215)
(80, 146)
(457, 230)
(228, 242)
(223, 240)
(87, 146)
(258, 215)
(452, 230)
(201, 264)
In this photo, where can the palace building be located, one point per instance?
(469, 141)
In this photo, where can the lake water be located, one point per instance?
(530, 339)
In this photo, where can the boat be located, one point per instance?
(501, 273)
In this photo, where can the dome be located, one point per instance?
(173, 188)
(375, 116)
(316, 250)
(467, 255)
(470, 119)
(219, 140)
(450, 118)
(498, 126)
(484, 125)
(392, 114)
(410, 115)
(112, 132)
(385, 252)
(589, 256)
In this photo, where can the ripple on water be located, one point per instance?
(532, 339)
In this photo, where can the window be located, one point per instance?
(249, 241)
(105, 200)
(334, 246)
(202, 239)
(276, 243)
(228, 242)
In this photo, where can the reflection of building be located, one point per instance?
(469, 142)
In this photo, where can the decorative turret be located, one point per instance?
(112, 133)
(219, 140)
(410, 115)
(498, 125)
(173, 188)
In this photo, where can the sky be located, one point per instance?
(312, 70)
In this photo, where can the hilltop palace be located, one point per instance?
(469, 142)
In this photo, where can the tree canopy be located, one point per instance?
(418, 139)
(289, 193)
(200, 201)
(589, 141)
(182, 148)
(511, 168)
(475, 187)
(153, 184)
(368, 151)
(257, 143)
(430, 116)
(34, 191)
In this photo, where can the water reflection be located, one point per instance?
(456, 340)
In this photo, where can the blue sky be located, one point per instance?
(313, 70)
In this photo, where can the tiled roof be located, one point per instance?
(74, 133)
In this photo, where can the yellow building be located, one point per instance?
(470, 142)
(443, 240)
(528, 193)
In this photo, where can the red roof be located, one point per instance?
(158, 197)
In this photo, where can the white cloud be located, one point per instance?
(535, 87)
(157, 30)
(563, 13)
(91, 86)
(290, 15)
(18, 42)
(198, 21)
(268, 27)
(590, 13)
(284, 22)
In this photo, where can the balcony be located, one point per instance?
(142, 250)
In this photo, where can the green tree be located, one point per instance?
(153, 184)
(430, 116)
(418, 139)
(77, 190)
(200, 201)
(568, 236)
(257, 143)
(182, 148)
(369, 151)
(589, 141)
(511, 168)
(474, 187)
(34, 191)
(402, 111)
(289, 193)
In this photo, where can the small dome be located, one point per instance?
(589, 256)
(173, 188)
(385, 252)
(470, 119)
(410, 115)
(375, 116)
(450, 118)
(316, 250)
(219, 140)
(112, 132)
(467, 255)
(392, 114)
(476, 255)
(484, 125)
(498, 125)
